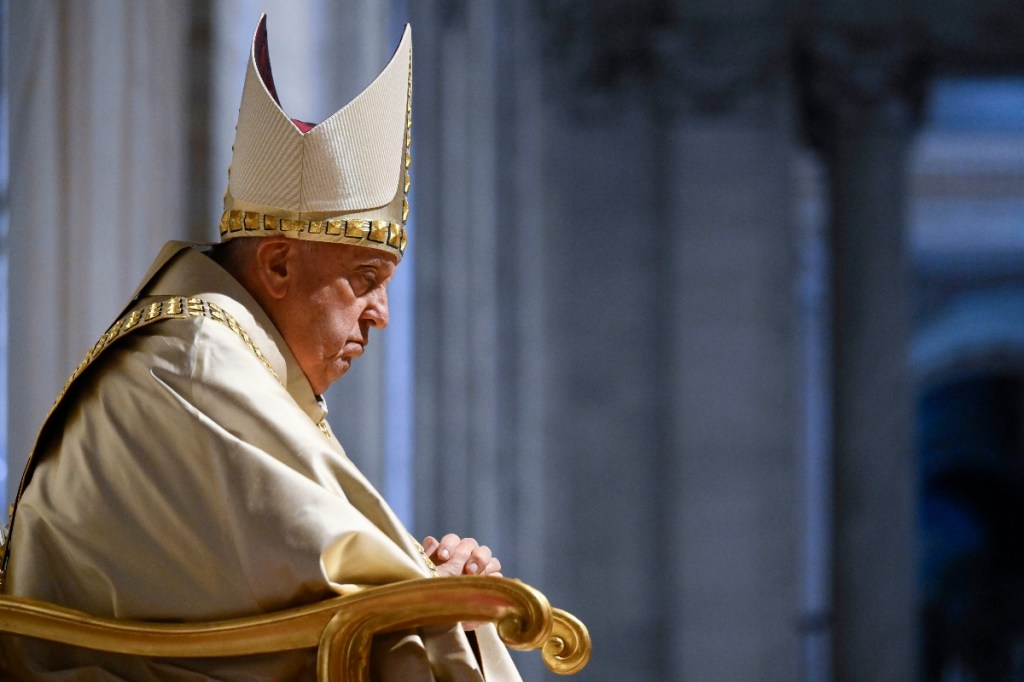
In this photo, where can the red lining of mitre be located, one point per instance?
(261, 52)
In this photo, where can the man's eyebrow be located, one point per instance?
(373, 263)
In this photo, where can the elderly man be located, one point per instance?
(187, 471)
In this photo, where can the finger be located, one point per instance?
(478, 560)
(430, 545)
(492, 567)
(460, 555)
(447, 546)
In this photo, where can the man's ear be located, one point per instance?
(274, 266)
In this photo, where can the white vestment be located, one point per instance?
(189, 474)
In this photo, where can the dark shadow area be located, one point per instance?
(972, 459)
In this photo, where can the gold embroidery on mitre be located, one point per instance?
(390, 235)
(252, 220)
(357, 229)
(395, 240)
(379, 231)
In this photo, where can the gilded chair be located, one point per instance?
(340, 628)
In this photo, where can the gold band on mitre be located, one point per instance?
(384, 235)
(344, 180)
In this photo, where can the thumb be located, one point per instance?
(430, 545)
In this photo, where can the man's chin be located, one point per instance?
(343, 366)
(332, 373)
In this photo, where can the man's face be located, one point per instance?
(339, 292)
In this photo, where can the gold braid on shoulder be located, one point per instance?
(175, 307)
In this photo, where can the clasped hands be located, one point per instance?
(453, 555)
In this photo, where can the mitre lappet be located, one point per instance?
(345, 180)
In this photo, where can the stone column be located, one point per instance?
(732, 484)
(98, 133)
(860, 92)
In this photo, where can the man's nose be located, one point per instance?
(376, 312)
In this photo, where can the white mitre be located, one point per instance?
(344, 180)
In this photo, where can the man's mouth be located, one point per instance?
(352, 350)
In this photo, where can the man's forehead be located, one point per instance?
(356, 256)
(373, 257)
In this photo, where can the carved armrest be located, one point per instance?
(340, 628)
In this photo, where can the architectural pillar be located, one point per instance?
(732, 489)
(860, 95)
(603, 431)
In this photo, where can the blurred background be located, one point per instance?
(712, 323)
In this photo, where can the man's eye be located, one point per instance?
(365, 281)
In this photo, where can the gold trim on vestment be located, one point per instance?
(175, 307)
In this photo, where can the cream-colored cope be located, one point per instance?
(344, 180)
(185, 476)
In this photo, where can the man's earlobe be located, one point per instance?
(273, 263)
